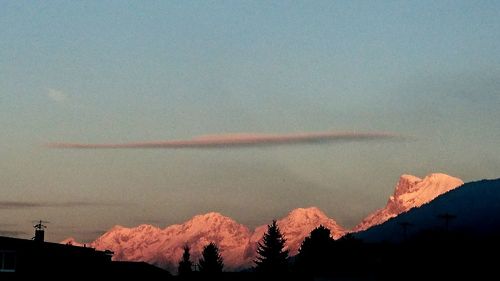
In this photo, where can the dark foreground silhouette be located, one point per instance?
(433, 253)
(456, 236)
(21, 259)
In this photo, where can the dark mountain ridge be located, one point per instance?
(472, 210)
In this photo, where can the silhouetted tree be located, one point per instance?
(316, 252)
(211, 260)
(349, 241)
(348, 253)
(271, 254)
(185, 264)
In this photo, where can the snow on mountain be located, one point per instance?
(163, 247)
(131, 244)
(474, 208)
(295, 227)
(71, 241)
(411, 192)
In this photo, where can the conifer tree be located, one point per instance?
(316, 254)
(272, 257)
(185, 264)
(211, 260)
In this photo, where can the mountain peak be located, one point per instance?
(310, 212)
(211, 218)
(210, 215)
(442, 178)
(71, 241)
(405, 184)
(117, 227)
(410, 178)
(296, 226)
(146, 227)
(411, 192)
(475, 204)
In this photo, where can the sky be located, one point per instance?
(132, 71)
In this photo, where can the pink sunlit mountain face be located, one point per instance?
(163, 247)
(411, 192)
(238, 245)
(295, 227)
(72, 241)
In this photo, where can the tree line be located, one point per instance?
(431, 252)
(272, 255)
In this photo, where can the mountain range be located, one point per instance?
(238, 244)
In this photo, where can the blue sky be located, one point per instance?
(119, 71)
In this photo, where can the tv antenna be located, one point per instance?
(40, 224)
(447, 217)
(404, 225)
(40, 230)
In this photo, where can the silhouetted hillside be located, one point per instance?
(473, 210)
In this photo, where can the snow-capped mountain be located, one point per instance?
(295, 227)
(71, 241)
(474, 209)
(411, 192)
(163, 247)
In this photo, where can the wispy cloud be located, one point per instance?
(17, 205)
(4, 230)
(57, 95)
(12, 233)
(8, 205)
(243, 140)
(91, 233)
(4, 225)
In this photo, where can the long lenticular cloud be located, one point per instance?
(241, 140)
(15, 205)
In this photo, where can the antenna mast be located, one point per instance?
(40, 231)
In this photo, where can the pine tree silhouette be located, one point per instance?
(316, 253)
(185, 264)
(271, 254)
(211, 260)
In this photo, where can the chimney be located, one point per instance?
(39, 235)
(39, 232)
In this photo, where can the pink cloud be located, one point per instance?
(241, 140)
